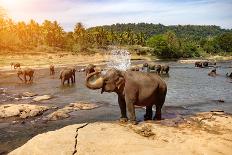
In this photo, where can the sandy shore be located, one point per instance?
(43, 60)
(206, 133)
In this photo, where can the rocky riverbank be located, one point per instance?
(204, 133)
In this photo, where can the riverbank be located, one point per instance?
(204, 133)
(41, 60)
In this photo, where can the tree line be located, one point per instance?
(164, 41)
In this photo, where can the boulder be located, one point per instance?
(83, 106)
(41, 98)
(21, 110)
(29, 94)
(64, 112)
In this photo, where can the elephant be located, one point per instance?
(229, 75)
(205, 64)
(165, 69)
(212, 73)
(198, 64)
(135, 68)
(92, 68)
(158, 69)
(26, 72)
(145, 65)
(16, 65)
(66, 74)
(52, 70)
(145, 68)
(152, 67)
(212, 64)
(132, 88)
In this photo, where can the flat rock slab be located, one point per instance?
(56, 142)
(29, 94)
(191, 138)
(64, 112)
(83, 106)
(41, 98)
(21, 110)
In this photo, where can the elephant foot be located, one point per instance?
(134, 122)
(123, 120)
(147, 117)
(157, 117)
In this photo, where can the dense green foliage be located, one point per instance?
(163, 41)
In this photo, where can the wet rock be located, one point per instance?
(29, 94)
(14, 122)
(83, 106)
(43, 97)
(57, 115)
(64, 112)
(21, 110)
(54, 107)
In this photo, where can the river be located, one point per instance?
(190, 90)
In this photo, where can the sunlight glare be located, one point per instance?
(9, 3)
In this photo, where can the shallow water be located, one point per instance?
(190, 90)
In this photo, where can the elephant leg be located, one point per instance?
(148, 115)
(72, 80)
(68, 81)
(122, 105)
(159, 106)
(62, 81)
(25, 78)
(131, 109)
(158, 113)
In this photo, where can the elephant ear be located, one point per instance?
(120, 82)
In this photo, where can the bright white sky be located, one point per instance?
(106, 12)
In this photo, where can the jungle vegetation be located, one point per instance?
(175, 41)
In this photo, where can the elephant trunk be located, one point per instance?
(94, 80)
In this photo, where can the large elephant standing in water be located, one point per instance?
(132, 88)
(67, 74)
(26, 72)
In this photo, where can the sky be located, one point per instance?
(106, 12)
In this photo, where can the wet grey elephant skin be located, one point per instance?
(67, 74)
(132, 88)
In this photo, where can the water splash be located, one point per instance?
(119, 59)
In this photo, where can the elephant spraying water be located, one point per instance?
(132, 88)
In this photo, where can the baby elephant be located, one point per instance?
(165, 69)
(26, 72)
(52, 70)
(213, 72)
(16, 65)
(67, 74)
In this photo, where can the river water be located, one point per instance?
(190, 90)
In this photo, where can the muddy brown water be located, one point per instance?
(190, 90)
